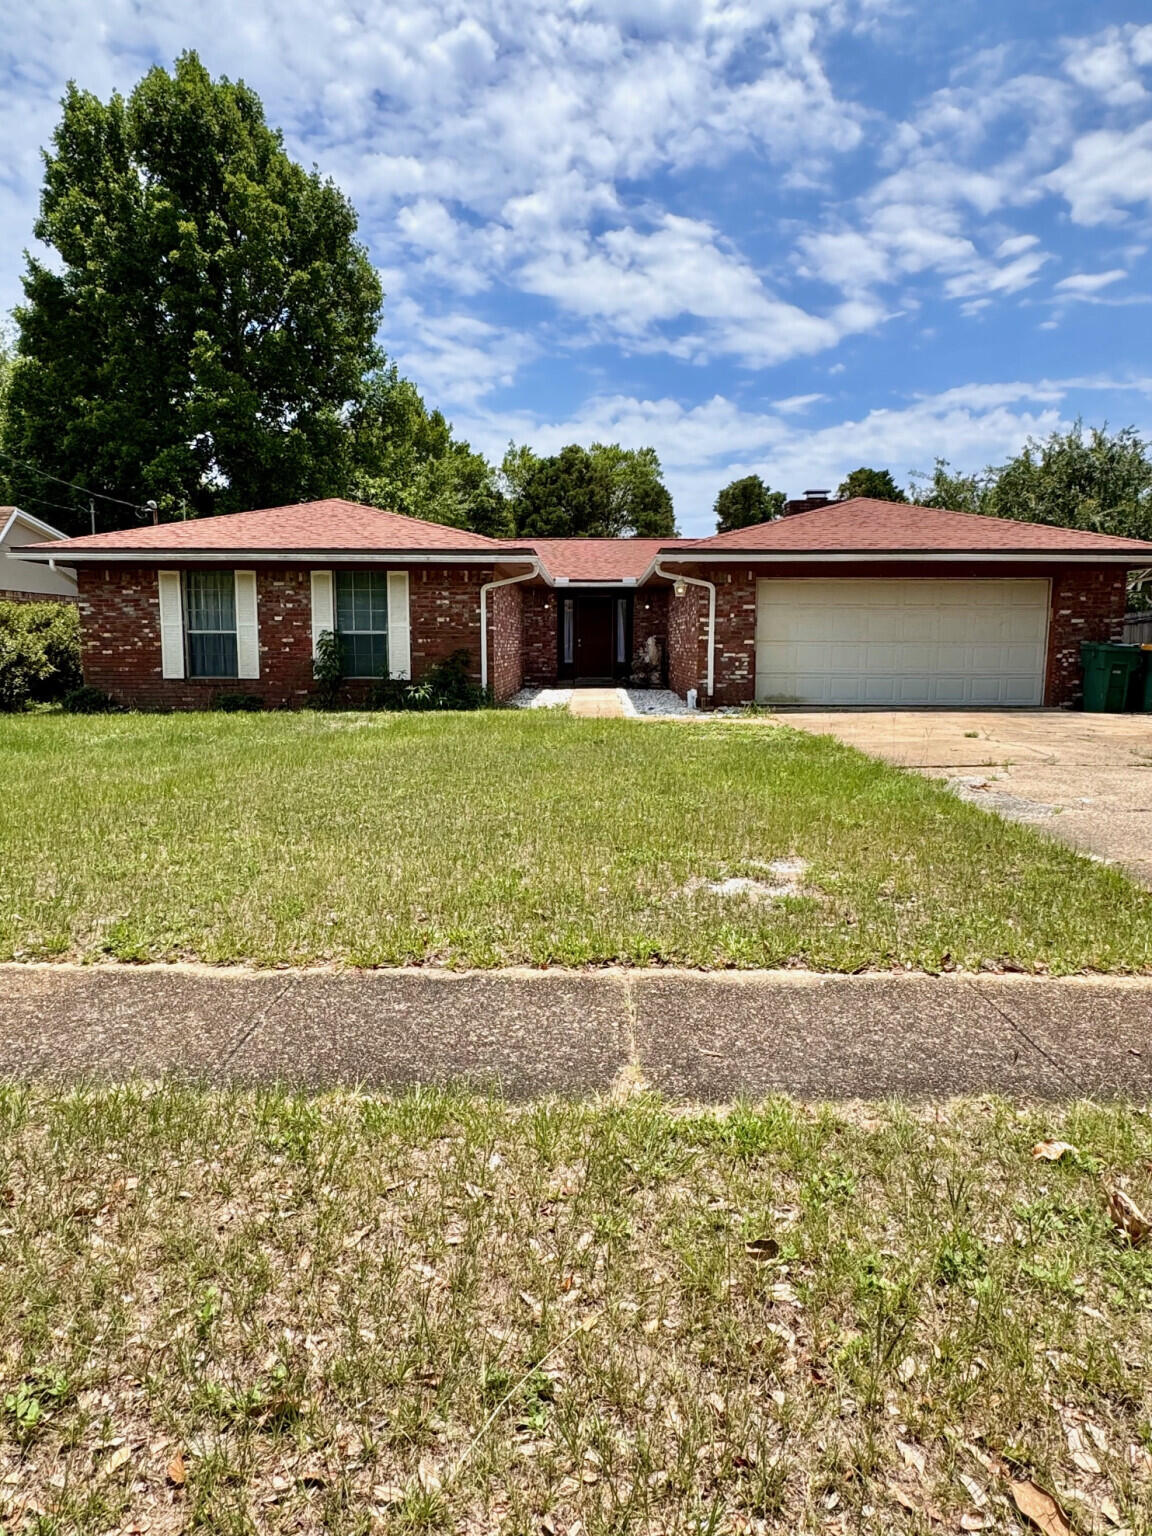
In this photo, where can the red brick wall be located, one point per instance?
(650, 617)
(7, 596)
(735, 664)
(505, 642)
(1087, 604)
(687, 641)
(120, 634)
(539, 636)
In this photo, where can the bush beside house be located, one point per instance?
(39, 653)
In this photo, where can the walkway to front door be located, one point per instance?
(600, 703)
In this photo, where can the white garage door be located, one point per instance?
(901, 643)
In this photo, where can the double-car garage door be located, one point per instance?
(901, 643)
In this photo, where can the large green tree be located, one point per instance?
(405, 457)
(209, 316)
(745, 502)
(877, 484)
(605, 491)
(1090, 478)
(5, 378)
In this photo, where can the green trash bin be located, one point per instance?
(1110, 673)
(1144, 683)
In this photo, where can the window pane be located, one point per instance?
(211, 600)
(211, 655)
(362, 621)
(364, 655)
(568, 648)
(210, 623)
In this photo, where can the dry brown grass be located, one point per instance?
(234, 1313)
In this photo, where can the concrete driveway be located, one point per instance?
(1086, 779)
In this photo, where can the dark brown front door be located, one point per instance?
(595, 636)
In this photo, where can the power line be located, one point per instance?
(71, 484)
(59, 505)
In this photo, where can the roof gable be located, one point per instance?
(863, 525)
(332, 524)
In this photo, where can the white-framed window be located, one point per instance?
(210, 624)
(362, 621)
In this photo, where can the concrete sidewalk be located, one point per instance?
(690, 1035)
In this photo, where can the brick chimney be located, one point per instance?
(809, 502)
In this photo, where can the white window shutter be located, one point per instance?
(247, 626)
(399, 630)
(171, 624)
(323, 606)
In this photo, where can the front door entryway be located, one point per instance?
(595, 639)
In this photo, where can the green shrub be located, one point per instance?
(445, 685)
(236, 703)
(87, 700)
(39, 653)
(328, 668)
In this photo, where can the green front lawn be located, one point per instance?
(511, 837)
(239, 1313)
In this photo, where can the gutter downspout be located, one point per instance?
(505, 581)
(698, 581)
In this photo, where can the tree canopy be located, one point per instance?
(745, 502)
(210, 317)
(1089, 479)
(605, 491)
(877, 484)
(405, 457)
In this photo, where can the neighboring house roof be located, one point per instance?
(600, 559)
(308, 525)
(863, 525)
(10, 516)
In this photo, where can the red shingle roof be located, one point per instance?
(600, 559)
(308, 525)
(863, 525)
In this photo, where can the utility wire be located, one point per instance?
(71, 484)
(59, 505)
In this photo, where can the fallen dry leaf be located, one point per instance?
(1041, 1508)
(388, 1495)
(913, 1505)
(1111, 1512)
(975, 1522)
(1052, 1151)
(176, 1471)
(117, 1460)
(1128, 1216)
(762, 1250)
(913, 1456)
(428, 1477)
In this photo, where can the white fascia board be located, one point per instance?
(245, 557)
(904, 557)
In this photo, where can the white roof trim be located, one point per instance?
(37, 524)
(278, 557)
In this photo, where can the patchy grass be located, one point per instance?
(521, 837)
(233, 1313)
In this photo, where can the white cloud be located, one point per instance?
(1090, 282)
(1108, 171)
(1110, 66)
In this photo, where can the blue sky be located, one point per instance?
(781, 236)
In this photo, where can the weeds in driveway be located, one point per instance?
(522, 836)
(258, 1312)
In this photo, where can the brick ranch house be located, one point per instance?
(856, 603)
